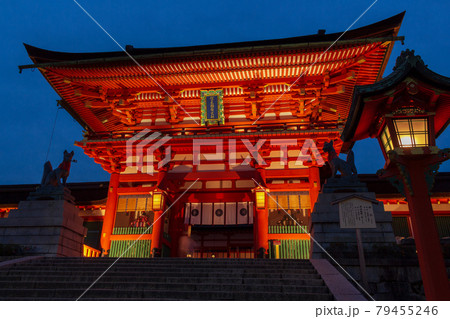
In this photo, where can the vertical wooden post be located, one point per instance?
(314, 185)
(110, 213)
(262, 232)
(431, 260)
(412, 170)
(362, 259)
(158, 228)
(255, 232)
(176, 226)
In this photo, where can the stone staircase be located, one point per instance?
(62, 278)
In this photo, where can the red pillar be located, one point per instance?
(255, 232)
(314, 185)
(110, 212)
(412, 169)
(263, 229)
(176, 226)
(158, 224)
(432, 266)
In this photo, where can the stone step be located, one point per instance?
(155, 268)
(168, 263)
(107, 294)
(99, 269)
(105, 261)
(173, 260)
(54, 278)
(132, 273)
(299, 280)
(172, 264)
(84, 299)
(180, 286)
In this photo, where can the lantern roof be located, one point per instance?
(410, 90)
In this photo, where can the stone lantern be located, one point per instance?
(406, 112)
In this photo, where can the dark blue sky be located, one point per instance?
(29, 103)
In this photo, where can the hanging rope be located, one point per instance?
(51, 137)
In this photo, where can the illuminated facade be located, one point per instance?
(194, 136)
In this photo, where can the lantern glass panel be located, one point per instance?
(157, 198)
(421, 139)
(386, 139)
(402, 126)
(405, 140)
(412, 132)
(260, 199)
(419, 125)
(420, 129)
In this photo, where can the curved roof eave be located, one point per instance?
(385, 28)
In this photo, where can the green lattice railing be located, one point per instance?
(400, 226)
(291, 249)
(288, 229)
(443, 225)
(139, 249)
(131, 230)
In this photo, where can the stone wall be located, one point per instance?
(44, 227)
(392, 277)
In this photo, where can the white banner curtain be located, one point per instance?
(230, 214)
(219, 218)
(242, 213)
(196, 213)
(207, 213)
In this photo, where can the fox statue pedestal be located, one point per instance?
(326, 220)
(46, 224)
(330, 224)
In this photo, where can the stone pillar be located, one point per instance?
(110, 213)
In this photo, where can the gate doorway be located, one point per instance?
(222, 241)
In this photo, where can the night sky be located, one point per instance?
(29, 103)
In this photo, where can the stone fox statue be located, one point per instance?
(53, 176)
(347, 168)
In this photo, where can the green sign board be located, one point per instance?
(212, 107)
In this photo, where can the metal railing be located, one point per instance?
(288, 230)
(90, 252)
(131, 230)
(139, 248)
(290, 249)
